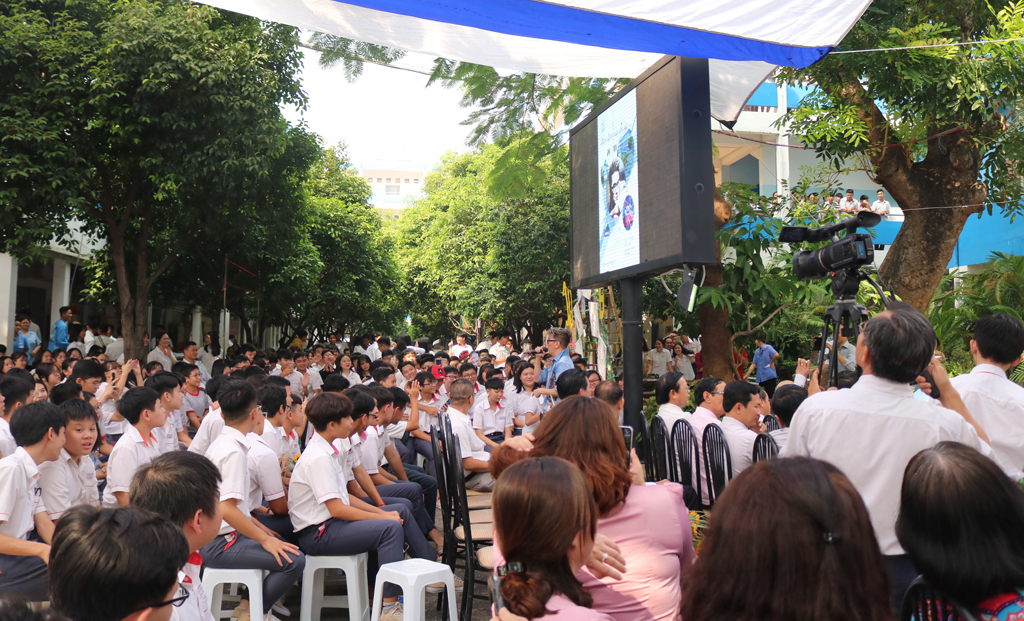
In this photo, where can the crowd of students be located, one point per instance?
(121, 481)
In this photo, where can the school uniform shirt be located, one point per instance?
(524, 403)
(197, 403)
(168, 434)
(373, 351)
(882, 207)
(229, 452)
(7, 443)
(20, 497)
(115, 351)
(998, 405)
(500, 352)
(370, 450)
(131, 452)
(348, 459)
(470, 444)
(65, 484)
(458, 349)
(264, 472)
(295, 379)
(197, 606)
(352, 377)
(426, 420)
(659, 361)
(272, 438)
(107, 410)
(489, 419)
(290, 441)
(208, 431)
(317, 478)
(740, 439)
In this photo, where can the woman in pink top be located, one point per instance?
(649, 523)
(546, 519)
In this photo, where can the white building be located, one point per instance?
(394, 185)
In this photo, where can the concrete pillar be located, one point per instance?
(197, 327)
(225, 327)
(8, 298)
(782, 151)
(60, 289)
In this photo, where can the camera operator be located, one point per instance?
(872, 430)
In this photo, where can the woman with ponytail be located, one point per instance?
(545, 520)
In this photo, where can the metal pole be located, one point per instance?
(632, 355)
(224, 313)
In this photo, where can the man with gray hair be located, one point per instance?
(557, 343)
(871, 431)
(474, 454)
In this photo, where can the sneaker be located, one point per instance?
(270, 616)
(394, 613)
(439, 587)
(280, 609)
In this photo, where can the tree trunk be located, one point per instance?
(715, 335)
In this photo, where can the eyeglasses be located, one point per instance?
(176, 602)
(718, 393)
(552, 341)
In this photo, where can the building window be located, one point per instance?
(392, 190)
(378, 180)
(389, 180)
(416, 181)
(407, 181)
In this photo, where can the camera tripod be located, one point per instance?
(846, 314)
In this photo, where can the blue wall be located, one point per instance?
(979, 239)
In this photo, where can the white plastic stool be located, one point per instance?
(213, 579)
(313, 600)
(413, 575)
(421, 461)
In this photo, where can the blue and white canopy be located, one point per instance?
(745, 39)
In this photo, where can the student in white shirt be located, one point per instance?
(740, 425)
(119, 564)
(871, 431)
(71, 479)
(460, 346)
(526, 408)
(305, 381)
(326, 520)
(787, 400)
(182, 487)
(168, 386)
(109, 392)
(849, 204)
(672, 394)
(213, 422)
(265, 482)
(39, 430)
(881, 206)
(658, 360)
(430, 406)
(474, 455)
(243, 542)
(195, 401)
(996, 402)
(492, 420)
(190, 355)
(275, 402)
(139, 445)
(395, 467)
(14, 393)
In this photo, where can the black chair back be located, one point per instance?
(765, 447)
(462, 514)
(685, 457)
(772, 423)
(717, 461)
(663, 466)
(924, 603)
(447, 510)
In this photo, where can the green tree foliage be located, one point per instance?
(467, 252)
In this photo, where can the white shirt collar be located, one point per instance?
(136, 435)
(319, 442)
(26, 460)
(236, 435)
(878, 384)
(990, 369)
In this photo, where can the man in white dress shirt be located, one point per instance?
(996, 402)
(474, 455)
(740, 425)
(871, 431)
(672, 394)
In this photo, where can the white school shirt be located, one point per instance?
(659, 361)
(295, 379)
(196, 403)
(469, 442)
(488, 420)
(264, 472)
(20, 496)
(870, 432)
(290, 441)
(208, 431)
(65, 484)
(131, 452)
(7, 443)
(229, 453)
(273, 438)
(458, 349)
(883, 206)
(741, 444)
(197, 606)
(349, 459)
(107, 410)
(373, 351)
(370, 451)
(499, 352)
(524, 403)
(168, 434)
(352, 377)
(426, 420)
(998, 405)
(316, 479)
(781, 436)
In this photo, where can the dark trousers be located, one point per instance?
(411, 496)
(426, 482)
(901, 573)
(244, 553)
(406, 449)
(280, 524)
(427, 450)
(23, 577)
(341, 538)
(769, 386)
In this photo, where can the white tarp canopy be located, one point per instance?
(745, 39)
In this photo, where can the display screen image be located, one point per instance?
(618, 185)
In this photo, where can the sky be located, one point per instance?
(387, 116)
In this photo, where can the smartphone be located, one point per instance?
(627, 436)
(935, 389)
(494, 584)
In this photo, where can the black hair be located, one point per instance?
(424, 377)
(401, 398)
(1000, 338)
(786, 401)
(78, 410)
(183, 368)
(106, 564)
(327, 408)
(176, 485)
(133, 402)
(424, 358)
(383, 395)
(163, 382)
(214, 385)
(406, 363)
(272, 399)
(335, 382)
(362, 402)
(218, 367)
(86, 369)
(901, 343)
(665, 385)
(739, 393)
(284, 354)
(382, 372)
(236, 399)
(16, 390)
(152, 366)
(62, 392)
(467, 366)
(252, 371)
(495, 383)
(708, 384)
(571, 382)
(30, 423)
(94, 351)
(847, 378)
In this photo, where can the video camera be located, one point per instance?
(851, 251)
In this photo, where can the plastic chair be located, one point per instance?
(313, 599)
(472, 545)
(214, 579)
(685, 454)
(771, 423)
(923, 603)
(663, 467)
(717, 461)
(765, 447)
(413, 575)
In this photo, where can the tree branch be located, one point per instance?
(778, 310)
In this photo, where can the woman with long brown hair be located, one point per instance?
(789, 539)
(648, 523)
(545, 520)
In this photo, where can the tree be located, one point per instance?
(936, 126)
(135, 119)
